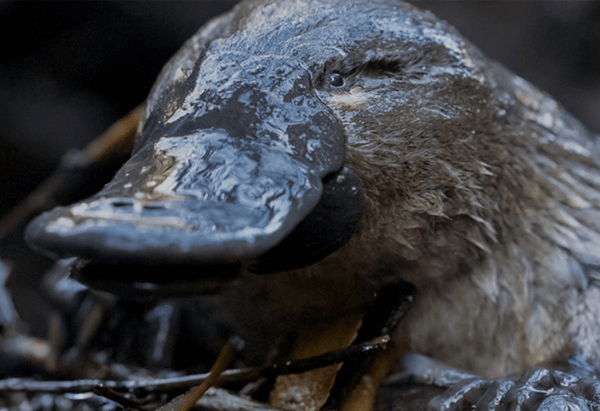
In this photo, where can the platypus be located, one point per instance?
(299, 157)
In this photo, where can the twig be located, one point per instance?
(330, 358)
(115, 396)
(185, 402)
(185, 382)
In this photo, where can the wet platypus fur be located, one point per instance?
(477, 188)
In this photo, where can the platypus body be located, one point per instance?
(304, 155)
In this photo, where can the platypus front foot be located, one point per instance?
(536, 389)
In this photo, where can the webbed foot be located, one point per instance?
(536, 389)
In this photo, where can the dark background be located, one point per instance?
(70, 69)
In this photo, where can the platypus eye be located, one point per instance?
(336, 80)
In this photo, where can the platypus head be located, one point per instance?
(285, 131)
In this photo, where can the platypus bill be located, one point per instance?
(305, 155)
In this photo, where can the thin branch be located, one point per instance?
(185, 382)
(186, 401)
(324, 360)
(117, 397)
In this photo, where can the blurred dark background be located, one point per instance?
(69, 69)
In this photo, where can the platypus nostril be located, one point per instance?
(154, 206)
(122, 203)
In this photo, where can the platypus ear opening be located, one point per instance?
(383, 65)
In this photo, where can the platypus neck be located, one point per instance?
(533, 298)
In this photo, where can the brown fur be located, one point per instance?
(481, 187)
